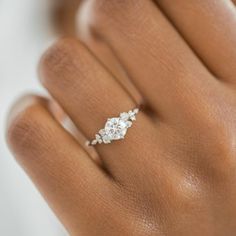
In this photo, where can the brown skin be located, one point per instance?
(175, 172)
(63, 16)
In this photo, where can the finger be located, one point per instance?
(209, 28)
(65, 175)
(112, 64)
(160, 63)
(90, 96)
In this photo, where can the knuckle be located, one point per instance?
(213, 143)
(188, 188)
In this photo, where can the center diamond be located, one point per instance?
(115, 128)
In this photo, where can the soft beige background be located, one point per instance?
(25, 32)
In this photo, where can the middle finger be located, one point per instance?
(161, 64)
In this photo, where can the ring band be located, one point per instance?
(115, 128)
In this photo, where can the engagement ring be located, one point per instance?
(115, 128)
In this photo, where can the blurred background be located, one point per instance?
(27, 29)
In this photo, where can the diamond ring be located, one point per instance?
(115, 128)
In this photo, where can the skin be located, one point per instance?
(175, 171)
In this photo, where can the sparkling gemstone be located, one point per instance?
(106, 139)
(115, 128)
(94, 142)
(124, 116)
(98, 138)
(132, 115)
(128, 124)
(102, 132)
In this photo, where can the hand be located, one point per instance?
(175, 171)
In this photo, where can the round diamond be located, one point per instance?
(115, 128)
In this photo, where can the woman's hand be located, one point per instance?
(175, 171)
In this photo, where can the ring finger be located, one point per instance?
(90, 95)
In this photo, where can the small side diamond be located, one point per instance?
(136, 110)
(87, 143)
(94, 142)
(98, 138)
(102, 132)
(124, 116)
(132, 115)
(128, 124)
(106, 139)
(132, 118)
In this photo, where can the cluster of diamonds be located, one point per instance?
(115, 128)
